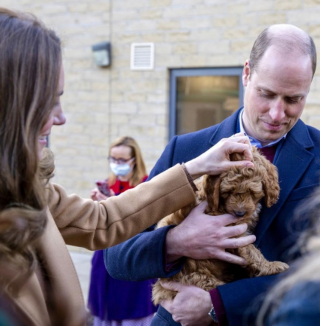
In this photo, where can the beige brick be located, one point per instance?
(124, 107)
(98, 86)
(86, 96)
(136, 97)
(195, 23)
(168, 61)
(235, 33)
(128, 38)
(205, 34)
(163, 48)
(77, 7)
(299, 18)
(100, 6)
(127, 4)
(314, 30)
(260, 5)
(152, 37)
(69, 30)
(241, 46)
(186, 2)
(287, 5)
(272, 18)
(53, 9)
(161, 120)
(101, 32)
(192, 11)
(142, 120)
(194, 60)
(177, 36)
(237, 8)
(120, 118)
(141, 25)
(155, 98)
(249, 20)
(223, 60)
(214, 47)
(225, 21)
(311, 3)
(157, 109)
(124, 15)
(167, 24)
(151, 13)
(185, 48)
(159, 3)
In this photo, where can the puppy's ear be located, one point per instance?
(270, 184)
(211, 186)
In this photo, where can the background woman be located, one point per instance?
(115, 302)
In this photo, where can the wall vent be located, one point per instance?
(142, 56)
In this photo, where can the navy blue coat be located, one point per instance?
(298, 162)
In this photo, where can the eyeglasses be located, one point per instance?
(119, 160)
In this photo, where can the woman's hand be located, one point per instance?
(97, 195)
(217, 159)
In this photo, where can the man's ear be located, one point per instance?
(246, 73)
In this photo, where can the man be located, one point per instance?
(277, 79)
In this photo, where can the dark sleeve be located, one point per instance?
(142, 257)
(242, 299)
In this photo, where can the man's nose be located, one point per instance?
(277, 110)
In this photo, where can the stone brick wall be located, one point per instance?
(103, 103)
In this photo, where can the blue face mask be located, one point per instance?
(120, 169)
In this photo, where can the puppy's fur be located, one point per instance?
(236, 192)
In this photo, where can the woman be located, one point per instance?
(111, 301)
(295, 300)
(37, 218)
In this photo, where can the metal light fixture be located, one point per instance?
(102, 54)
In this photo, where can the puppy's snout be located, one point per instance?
(239, 213)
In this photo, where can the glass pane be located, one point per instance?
(203, 101)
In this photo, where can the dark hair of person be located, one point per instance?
(30, 56)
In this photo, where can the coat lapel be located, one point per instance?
(226, 128)
(292, 159)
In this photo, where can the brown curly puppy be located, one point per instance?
(236, 192)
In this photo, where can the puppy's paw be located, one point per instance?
(274, 267)
(279, 266)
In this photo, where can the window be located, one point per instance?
(200, 98)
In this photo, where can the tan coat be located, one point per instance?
(54, 290)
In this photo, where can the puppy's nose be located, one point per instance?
(239, 213)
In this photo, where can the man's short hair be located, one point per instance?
(295, 40)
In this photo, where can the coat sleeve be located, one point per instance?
(142, 257)
(98, 225)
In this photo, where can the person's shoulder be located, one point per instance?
(303, 296)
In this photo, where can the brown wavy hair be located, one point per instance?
(139, 169)
(30, 56)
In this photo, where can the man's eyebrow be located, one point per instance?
(272, 92)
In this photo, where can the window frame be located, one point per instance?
(191, 72)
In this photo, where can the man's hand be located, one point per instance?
(191, 305)
(202, 236)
